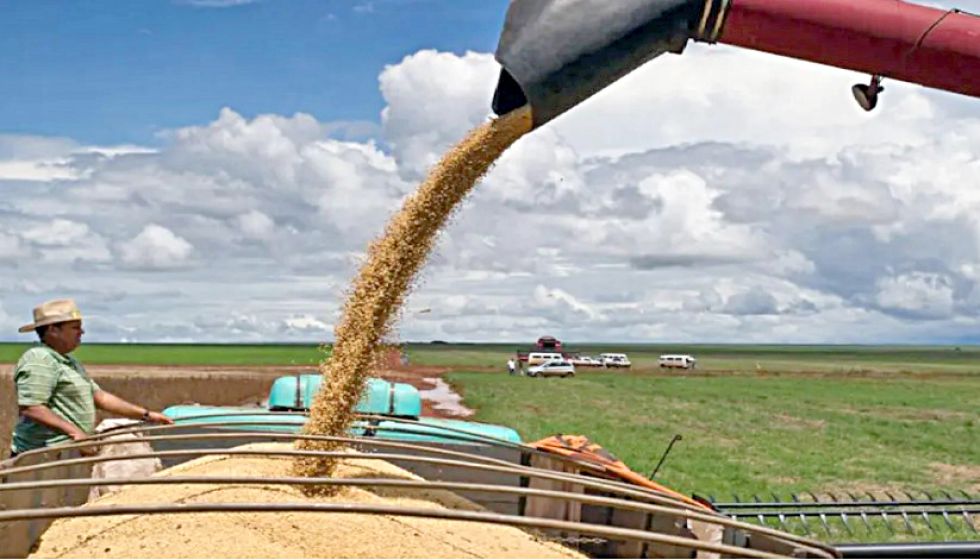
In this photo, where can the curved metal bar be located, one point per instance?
(530, 472)
(490, 440)
(294, 437)
(454, 515)
(275, 436)
(623, 487)
(668, 507)
(471, 436)
(414, 484)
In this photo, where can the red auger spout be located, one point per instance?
(557, 53)
(889, 38)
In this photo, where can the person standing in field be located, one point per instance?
(511, 366)
(55, 396)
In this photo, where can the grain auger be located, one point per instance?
(557, 53)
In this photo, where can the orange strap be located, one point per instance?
(581, 448)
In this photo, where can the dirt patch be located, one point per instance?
(797, 423)
(906, 413)
(285, 535)
(860, 489)
(923, 415)
(957, 477)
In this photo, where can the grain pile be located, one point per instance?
(284, 535)
(383, 281)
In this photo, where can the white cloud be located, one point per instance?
(66, 241)
(11, 247)
(917, 294)
(256, 225)
(723, 94)
(156, 247)
(433, 99)
(307, 324)
(365, 8)
(744, 193)
(567, 305)
(59, 232)
(40, 170)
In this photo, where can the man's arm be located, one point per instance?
(46, 417)
(111, 403)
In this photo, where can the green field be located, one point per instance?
(754, 419)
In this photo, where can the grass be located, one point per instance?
(749, 434)
(759, 420)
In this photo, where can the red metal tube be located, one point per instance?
(898, 40)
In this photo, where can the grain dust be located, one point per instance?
(393, 261)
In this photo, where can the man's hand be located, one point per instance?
(88, 451)
(158, 418)
(111, 403)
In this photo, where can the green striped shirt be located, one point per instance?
(59, 382)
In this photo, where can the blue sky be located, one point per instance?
(213, 170)
(115, 72)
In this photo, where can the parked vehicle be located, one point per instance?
(562, 368)
(585, 361)
(615, 360)
(677, 361)
(538, 358)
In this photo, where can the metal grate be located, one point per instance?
(883, 516)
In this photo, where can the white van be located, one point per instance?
(615, 360)
(679, 361)
(538, 358)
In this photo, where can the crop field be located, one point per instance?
(754, 419)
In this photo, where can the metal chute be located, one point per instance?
(557, 53)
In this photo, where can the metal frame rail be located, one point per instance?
(61, 476)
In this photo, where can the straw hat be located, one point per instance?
(51, 312)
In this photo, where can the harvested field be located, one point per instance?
(285, 535)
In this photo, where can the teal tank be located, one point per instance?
(296, 392)
(291, 396)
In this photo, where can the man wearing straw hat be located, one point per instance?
(56, 398)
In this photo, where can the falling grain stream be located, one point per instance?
(393, 262)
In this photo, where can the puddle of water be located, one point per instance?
(444, 398)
